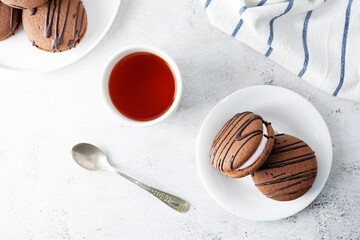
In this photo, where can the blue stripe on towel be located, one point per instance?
(240, 23)
(207, 3)
(262, 2)
(237, 28)
(269, 51)
(343, 48)
(306, 50)
(242, 10)
(271, 37)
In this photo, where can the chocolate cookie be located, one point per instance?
(290, 170)
(10, 20)
(24, 4)
(242, 145)
(56, 26)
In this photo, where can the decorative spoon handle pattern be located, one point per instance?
(172, 201)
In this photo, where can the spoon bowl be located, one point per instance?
(90, 157)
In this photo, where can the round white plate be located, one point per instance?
(289, 113)
(18, 54)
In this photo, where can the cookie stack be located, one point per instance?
(282, 167)
(50, 25)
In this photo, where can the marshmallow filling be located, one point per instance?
(256, 155)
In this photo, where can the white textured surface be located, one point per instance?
(45, 195)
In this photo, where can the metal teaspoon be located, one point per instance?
(93, 158)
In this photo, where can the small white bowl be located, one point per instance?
(125, 52)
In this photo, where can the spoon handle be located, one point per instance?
(172, 201)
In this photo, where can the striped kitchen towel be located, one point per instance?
(318, 40)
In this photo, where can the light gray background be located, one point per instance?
(45, 195)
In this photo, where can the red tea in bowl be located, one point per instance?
(142, 86)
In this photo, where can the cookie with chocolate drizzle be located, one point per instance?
(24, 4)
(10, 20)
(242, 145)
(290, 170)
(56, 26)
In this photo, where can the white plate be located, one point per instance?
(288, 112)
(17, 53)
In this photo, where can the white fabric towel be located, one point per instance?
(318, 40)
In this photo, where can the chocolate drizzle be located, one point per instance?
(232, 137)
(239, 136)
(81, 23)
(12, 15)
(292, 173)
(288, 161)
(54, 6)
(239, 117)
(285, 146)
(277, 175)
(308, 173)
(32, 11)
(76, 33)
(234, 119)
(49, 19)
(220, 134)
(275, 151)
(253, 134)
(33, 43)
(290, 193)
(11, 18)
(59, 37)
(269, 136)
